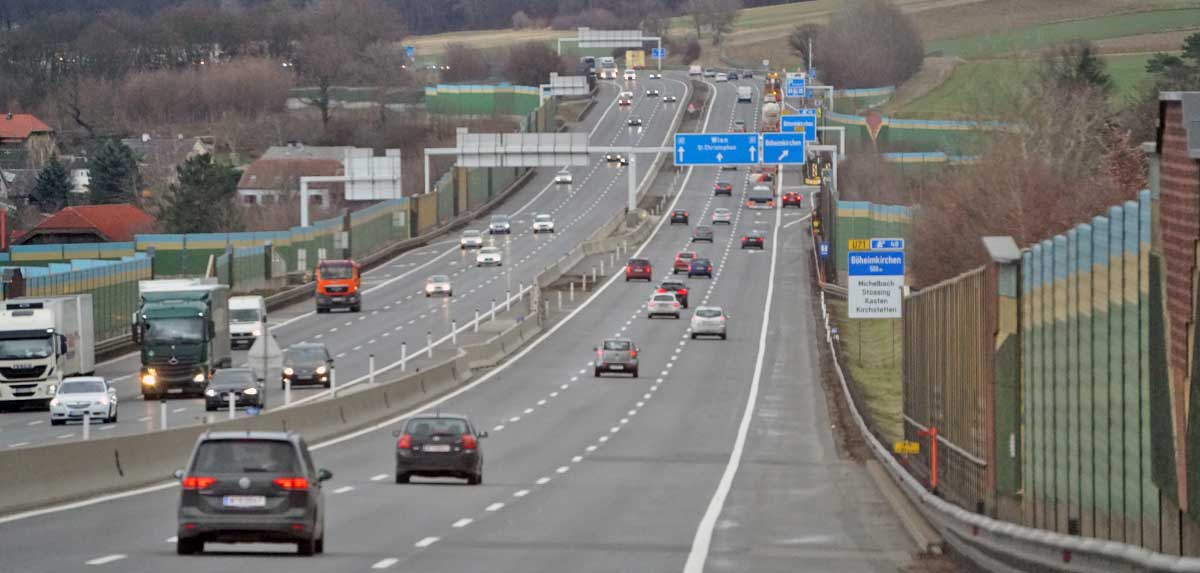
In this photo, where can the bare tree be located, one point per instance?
(869, 43)
(530, 64)
(384, 65)
(802, 37)
(466, 63)
(722, 14)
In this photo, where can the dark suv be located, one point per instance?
(251, 487)
(307, 363)
(246, 389)
(678, 287)
(679, 216)
(441, 445)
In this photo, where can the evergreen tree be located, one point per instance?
(203, 200)
(53, 187)
(113, 174)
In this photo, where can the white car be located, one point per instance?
(471, 239)
(563, 178)
(489, 256)
(655, 76)
(500, 225)
(721, 77)
(630, 75)
(722, 215)
(662, 303)
(438, 284)
(81, 395)
(653, 93)
(708, 320)
(543, 223)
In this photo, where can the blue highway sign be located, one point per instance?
(409, 52)
(783, 148)
(806, 122)
(716, 148)
(658, 53)
(875, 264)
(824, 249)
(794, 87)
(887, 244)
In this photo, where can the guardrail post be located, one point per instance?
(232, 405)
(454, 332)
(162, 414)
(572, 291)
(476, 326)
(333, 382)
(560, 300)
(594, 273)
(429, 343)
(371, 367)
(493, 313)
(403, 356)
(520, 291)
(87, 426)
(507, 299)
(601, 270)
(287, 391)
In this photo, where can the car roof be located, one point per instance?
(711, 307)
(250, 434)
(721, 209)
(442, 415)
(304, 345)
(629, 340)
(84, 379)
(235, 371)
(672, 281)
(699, 260)
(472, 232)
(440, 278)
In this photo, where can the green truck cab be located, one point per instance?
(182, 331)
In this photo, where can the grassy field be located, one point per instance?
(1038, 37)
(875, 370)
(976, 87)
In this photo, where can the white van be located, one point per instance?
(745, 94)
(695, 70)
(247, 320)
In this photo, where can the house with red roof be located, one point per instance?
(89, 224)
(24, 141)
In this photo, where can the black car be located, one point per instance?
(754, 240)
(728, 167)
(723, 188)
(733, 76)
(652, 93)
(439, 445)
(679, 216)
(678, 287)
(700, 268)
(670, 99)
(702, 233)
(634, 121)
(307, 363)
(251, 487)
(747, 74)
(246, 389)
(616, 158)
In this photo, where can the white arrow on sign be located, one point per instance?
(782, 154)
(753, 148)
(719, 156)
(680, 160)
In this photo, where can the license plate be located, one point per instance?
(245, 501)
(174, 390)
(616, 367)
(77, 412)
(338, 299)
(441, 448)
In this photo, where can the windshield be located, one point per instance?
(708, 313)
(174, 329)
(617, 345)
(243, 315)
(489, 251)
(337, 271)
(304, 355)
(245, 456)
(437, 426)
(542, 217)
(439, 279)
(500, 218)
(26, 348)
(82, 387)
(235, 378)
(471, 233)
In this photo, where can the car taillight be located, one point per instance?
(405, 442)
(745, 238)
(633, 354)
(682, 291)
(198, 482)
(710, 268)
(685, 214)
(291, 483)
(629, 269)
(469, 442)
(770, 203)
(749, 203)
(661, 290)
(676, 304)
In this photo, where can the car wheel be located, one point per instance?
(113, 419)
(475, 479)
(189, 546)
(320, 544)
(693, 336)
(635, 373)
(208, 408)
(722, 336)
(596, 373)
(402, 477)
(426, 295)
(676, 315)
(306, 547)
(626, 279)
(328, 384)
(57, 422)
(356, 308)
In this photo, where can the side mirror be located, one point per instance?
(135, 332)
(212, 328)
(324, 475)
(397, 433)
(595, 349)
(62, 344)
(178, 474)
(483, 434)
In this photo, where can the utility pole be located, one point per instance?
(809, 55)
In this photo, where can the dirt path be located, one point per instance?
(933, 73)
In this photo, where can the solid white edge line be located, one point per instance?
(391, 421)
(698, 555)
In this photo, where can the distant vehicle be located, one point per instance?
(616, 158)
(793, 199)
(702, 233)
(247, 320)
(722, 215)
(307, 363)
(679, 216)
(339, 284)
(564, 178)
(438, 284)
(247, 390)
(683, 260)
(616, 355)
(630, 75)
(670, 99)
(251, 487)
(739, 126)
(471, 239)
(708, 321)
(709, 72)
(182, 329)
(653, 93)
(747, 74)
(489, 256)
(43, 340)
(439, 445)
(655, 76)
(754, 239)
(676, 287)
(500, 225)
(607, 68)
(80, 395)
(732, 76)
(761, 197)
(662, 303)
(695, 70)
(700, 268)
(635, 122)
(638, 269)
(723, 188)
(721, 77)
(745, 94)
(625, 98)
(729, 167)
(543, 223)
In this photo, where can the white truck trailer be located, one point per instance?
(42, 341)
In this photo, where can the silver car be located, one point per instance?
(662, 303)
(708, 321)
(438, 284)
(80, 395)
(499, 225)
(471, 239)
(722, 215)
(489, 256)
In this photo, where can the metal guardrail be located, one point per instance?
(1000, 545)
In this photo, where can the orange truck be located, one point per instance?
(339, 285)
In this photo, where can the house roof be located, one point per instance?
(307, 152)
(286, 173)
(114, 223)
(20, 126)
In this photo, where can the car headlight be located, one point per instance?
(321, 370)
(257, 333)
(199, 377)
(149, 379)
(210, 392)
(104, 401)
(250, 391)
(52, 389)
(55, 402)
(288, 371)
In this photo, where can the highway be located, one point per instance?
(718, 458)
(395, 308)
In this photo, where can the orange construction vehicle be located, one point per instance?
(339, 285)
